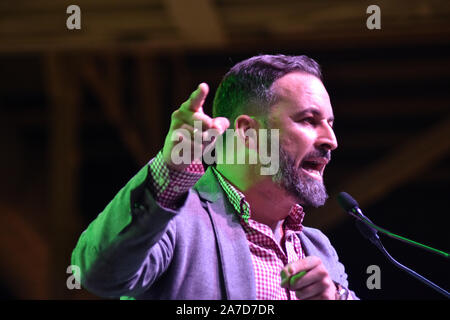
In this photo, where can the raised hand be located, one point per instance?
(182, 128)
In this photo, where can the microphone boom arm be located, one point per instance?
(371, 234)
(360, 216)
(369, 230)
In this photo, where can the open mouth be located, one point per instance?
(314, 167)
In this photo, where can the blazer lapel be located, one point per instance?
(314, 246)
(233, 249)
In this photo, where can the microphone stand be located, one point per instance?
(371, 234)
(356, 212)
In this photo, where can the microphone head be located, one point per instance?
(346, 201)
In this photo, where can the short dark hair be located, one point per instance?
(246, 88)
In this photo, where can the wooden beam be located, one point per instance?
(291, 25)
(108, 24)
(412, 158)
(50, 5)
(388, 70)
(24, 256)
(151, 105)
(197, 21)
(382, 106)
(181, 79)
(108, 90)
(64, 95)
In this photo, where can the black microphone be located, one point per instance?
(370, 231)
(350, 205)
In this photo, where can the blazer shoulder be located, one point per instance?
(316, 237)
(316, 243)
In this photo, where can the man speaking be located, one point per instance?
(232, 231)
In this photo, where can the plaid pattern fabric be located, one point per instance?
(267, 255)
(168, 186)
(236, 197)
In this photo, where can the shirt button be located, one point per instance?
(161, 181)
(176, 189)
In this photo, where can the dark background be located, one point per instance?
(83, 110)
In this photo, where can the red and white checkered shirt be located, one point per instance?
(268, 256)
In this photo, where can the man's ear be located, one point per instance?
(247, 130)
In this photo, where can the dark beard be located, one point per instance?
(308, 191)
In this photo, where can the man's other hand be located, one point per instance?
(309, 279)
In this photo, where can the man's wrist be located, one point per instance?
(168, 184)
(342, 293)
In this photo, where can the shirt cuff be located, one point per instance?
(169, 185)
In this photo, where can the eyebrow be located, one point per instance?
(314, 111)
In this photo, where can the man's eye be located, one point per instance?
(309, 120)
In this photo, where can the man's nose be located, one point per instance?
(326, 138)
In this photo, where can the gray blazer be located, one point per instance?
(139, 249)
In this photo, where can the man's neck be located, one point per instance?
(269, 203)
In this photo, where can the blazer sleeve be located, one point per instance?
(129, 245)
(342, 277)
(317, 244)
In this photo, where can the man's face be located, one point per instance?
(304, 116)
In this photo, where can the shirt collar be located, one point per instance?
(295, 219)
(237, 199)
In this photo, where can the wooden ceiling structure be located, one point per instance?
(128, 55)
(40, 26)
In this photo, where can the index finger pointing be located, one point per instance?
(197, 98)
